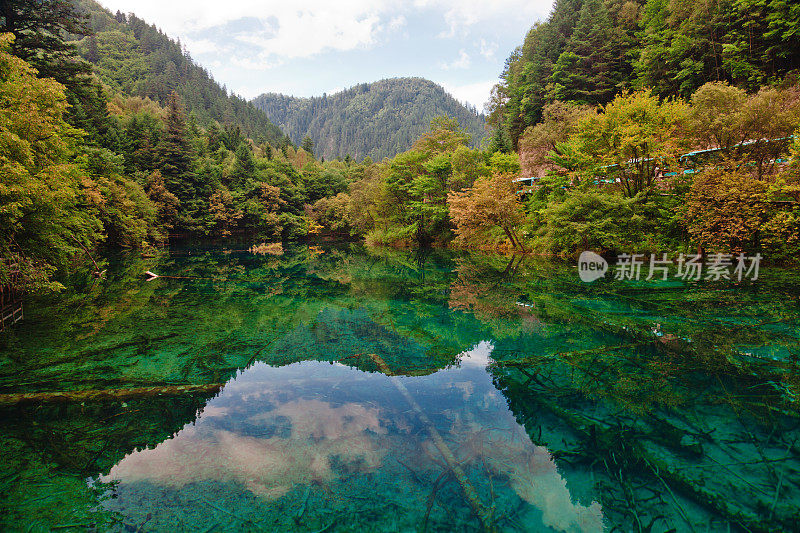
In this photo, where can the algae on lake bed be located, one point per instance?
(243, 393)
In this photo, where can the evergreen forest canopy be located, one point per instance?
(588, 51)
(634, 127)
(373, 120)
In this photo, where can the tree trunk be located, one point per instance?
(8, 400)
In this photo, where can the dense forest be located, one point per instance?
(655, 125)
(588, 51)
(135, 58)
(373, 120)
(624, 128)
(105, 152)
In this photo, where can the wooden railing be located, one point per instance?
(10, 299)
(10, 314)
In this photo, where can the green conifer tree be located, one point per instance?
(308, 145)
(176, 155)
(585, 72)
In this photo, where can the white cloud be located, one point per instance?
(461, 15)
(396, 23)
(201, 46)
(308, 27)
(463, 61)
(305, 34)
(479, 355)
(476, 94)
(260, 62)
(488, 49)
(290, 29)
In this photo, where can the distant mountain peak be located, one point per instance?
(378, 119)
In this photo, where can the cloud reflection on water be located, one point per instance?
(313, 424)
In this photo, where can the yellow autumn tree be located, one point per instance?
(488, 212)
(43, 222)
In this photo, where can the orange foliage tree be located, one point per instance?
(488, 208)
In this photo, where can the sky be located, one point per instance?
(311, 47)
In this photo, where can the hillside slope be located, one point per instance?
(138, 59)
(588, 51)
(377, 119)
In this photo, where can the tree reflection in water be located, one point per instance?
(605, 406)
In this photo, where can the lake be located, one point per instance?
(341, 388)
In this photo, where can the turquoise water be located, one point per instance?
(339, 388)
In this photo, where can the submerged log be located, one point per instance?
(9, 400)
(526, 362)
(484, 515)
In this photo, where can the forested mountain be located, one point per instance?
(377, 119)
(588, 51)
(138, 59)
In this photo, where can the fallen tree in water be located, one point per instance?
(7, 400)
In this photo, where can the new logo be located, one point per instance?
(591, 266)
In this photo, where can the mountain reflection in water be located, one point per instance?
(316, 427)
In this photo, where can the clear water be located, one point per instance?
(345, 389)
